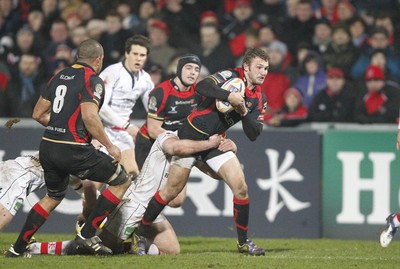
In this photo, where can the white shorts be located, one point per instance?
(126, 218)
(216, 162)
(17, 182)
(120, 138)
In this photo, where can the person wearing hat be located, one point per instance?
(378, 102)
(335, 103)
(292, 113)
(378, 40)
(170, 102)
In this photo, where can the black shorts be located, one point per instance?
(59, 160)
(142, 149)
(188, 132)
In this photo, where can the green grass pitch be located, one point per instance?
(202, 252)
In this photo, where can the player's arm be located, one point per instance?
(253, 122)
(209, 87)
(186, 147)
(154, 127)
(41, 112)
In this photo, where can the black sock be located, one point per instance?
(106, 203)
(154, 208)
(241, 216)
(36, 217)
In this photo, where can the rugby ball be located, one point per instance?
(232, 85)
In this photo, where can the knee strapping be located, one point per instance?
(120, 177)
(57, 194)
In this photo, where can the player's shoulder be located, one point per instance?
(226, 74)
(144, 76)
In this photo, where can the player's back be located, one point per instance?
(66, 91)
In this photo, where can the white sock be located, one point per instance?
(153, 250)
(51, 248)
(396, 220)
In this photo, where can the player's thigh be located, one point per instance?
(5, 218)
(165, 238)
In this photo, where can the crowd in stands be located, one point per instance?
(330, 60)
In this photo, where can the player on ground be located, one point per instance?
(125, 83)
(170, 102)
(68, 108)
(126, 218)
(205, 121)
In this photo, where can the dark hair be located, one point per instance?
(139, 40)
(253, 53)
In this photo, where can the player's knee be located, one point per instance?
(57, 195)
(120, 177)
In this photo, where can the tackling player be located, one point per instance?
(125, 219)
(126, 82)
(205, 121)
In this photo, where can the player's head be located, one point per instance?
(255, 66)
(188, 69)
(137, 48)
(91, 52)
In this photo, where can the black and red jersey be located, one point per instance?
(66, 91)
(208, 120)
(170, 105)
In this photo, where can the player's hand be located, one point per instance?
(227, 145)
(214, 140)
(398, 140)
(241, 109)
(235, 99)
(115, 152)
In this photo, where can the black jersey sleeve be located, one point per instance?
(253, 122)
(157, 99)
(94, 91)
(209, 87)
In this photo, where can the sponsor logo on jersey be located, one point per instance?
(98, 90)
(184, 102)
(173, 110)
(65, 77)
(153, 104)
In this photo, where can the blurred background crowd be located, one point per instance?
(330, 60)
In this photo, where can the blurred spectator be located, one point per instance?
(322, 35)
(291, 8)
(335, 103)
(301, 27)
(59, 65)
(358, 31)
(328, 11)
(146, 10)
(156, 73)
(213, 52)
(377, 102)
(182, 19)
(24, 88)
(250, 41)
(379, 39)
(209, 17)
(129, 18)
(203, 73)
(312, 77)
(341, 51)
(73, 20)
(384, 20)
(292, 114)
(161, 51)
(23, 44)
(272, 12)
(85, 11)
(59, 36)
(266, 34)
(279, 77)
(12, 17)
(345, 11)
(96, 28)
(77, 35)
(234, 25)
(35, 22)
(391, 71)
(112, 39)
(51, 13)
(4, 77)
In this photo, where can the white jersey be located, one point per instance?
(152, 177)
(122, 90)
(18, 178)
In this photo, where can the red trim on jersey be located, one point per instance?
(44, 248)
(146, 223)
(159, 199)
(87, 74)
(39, 209)
(240, 201)
(72, 125)
(111, 197)
(144, 131)
(58, 249)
